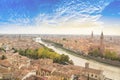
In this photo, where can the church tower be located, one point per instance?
(102, 43)
(91, 37)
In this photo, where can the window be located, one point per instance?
(95, 76)
(91, 75)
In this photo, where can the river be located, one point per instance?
(109, 71)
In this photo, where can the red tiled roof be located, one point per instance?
(5, 63)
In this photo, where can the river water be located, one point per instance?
(109, 71)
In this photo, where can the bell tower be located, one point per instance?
(102, 43)
(92, 35)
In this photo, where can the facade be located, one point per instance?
(93, 73)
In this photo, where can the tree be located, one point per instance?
(75, 41)
(64, 39)
(45, 52)
(21, 52)
(65, 78)
(95, 53)
(3, 57)
(40, 52)
(64, 58)
(111, 55)
(71, 62)
(2, 49)
(15, 50)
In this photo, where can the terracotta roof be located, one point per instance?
(5, 63)
(3, 70)
(95, 71)
(48, 68)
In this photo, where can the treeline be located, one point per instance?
(45, 52)
(52, 42)
(107, 54)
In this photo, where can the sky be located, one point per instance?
(60, 16)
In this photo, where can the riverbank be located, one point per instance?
(98, 59)
(110, 72)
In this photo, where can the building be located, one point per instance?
(93, 73)
(102, 47)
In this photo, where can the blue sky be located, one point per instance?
(112, 12)
(60, 16)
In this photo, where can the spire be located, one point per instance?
(92, 34)
(102, 36)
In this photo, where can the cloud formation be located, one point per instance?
(48, 16)
(74, 13)
(55, 11)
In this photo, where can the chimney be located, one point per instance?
(86, 65)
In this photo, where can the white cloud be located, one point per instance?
(68, 18)
(69, 12)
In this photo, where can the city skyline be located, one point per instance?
(60, 17)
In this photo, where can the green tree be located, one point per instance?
(111, 55)
(64, 39)
(2, 49)
(45, 52)
(95, 53)
(15, 50)
(65, 78)
(3, 57)
(64, 58)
